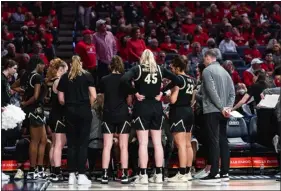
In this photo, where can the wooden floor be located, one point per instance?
(195, 185)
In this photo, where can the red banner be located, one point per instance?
(235, 162)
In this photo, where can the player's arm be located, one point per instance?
(176, 80)
(127, 78)
(174, 94)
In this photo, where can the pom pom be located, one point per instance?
(11, 117)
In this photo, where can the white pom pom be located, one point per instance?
(11, 117)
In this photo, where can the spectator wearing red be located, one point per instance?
(188, 26)
(121, 32)
(268, 64)
(238, 37)
(247, 30)
(167, 46)
(200, 36)
(243, 9)
(87, 52)
(5, 14)
(209, 28)
(135, 46)
(52, 17)
(262, 33)
(45, 37)
(123, 50)
(37, 50)
(225, 8)
(252, 52)
(276, 14)
(29, 19)
(248, 75)
(6, 35)
(106, 48)
(214, 15)
(185, 49)
(197, 9)
(228, 65)
(277, 76)
(154, 48)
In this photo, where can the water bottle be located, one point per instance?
(262, 169)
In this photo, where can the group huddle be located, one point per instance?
(70, 95)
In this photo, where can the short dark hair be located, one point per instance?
(134, 30)
(211, 53)
(179, 62)
(9, 64)
(277, 71)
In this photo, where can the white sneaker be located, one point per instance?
(72, 178)
(156, 178)
(5, 177)
(202, 174)
(178, 178)
(188, 176)
(19, 175)
(141, 179)
(83, 179)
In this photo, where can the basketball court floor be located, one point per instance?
(240, 183)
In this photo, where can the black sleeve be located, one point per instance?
(168, 87)
(174, 78)
(90, 79)
(101, 85)
(62, 83)
(127, 78)
(37, 79)
(251, 90)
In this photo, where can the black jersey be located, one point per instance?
(28, 82)
(146, 83)
(115, 104)
(54, 100)
(5, 91)
(185, 91)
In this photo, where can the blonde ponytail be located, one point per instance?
(148, 61)
(76, 68)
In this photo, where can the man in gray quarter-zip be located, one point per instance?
(218, 99)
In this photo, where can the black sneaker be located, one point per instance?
(125, 179)
(104, 179)
(224, 178)
(210, 179)
(42, 175)
(32, 175)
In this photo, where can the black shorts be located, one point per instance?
(57, 122)
(148, 115)
(119, 128)
(34, 116)
(181, 119)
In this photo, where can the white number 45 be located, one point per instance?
(151, 78)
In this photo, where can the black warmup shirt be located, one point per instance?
(185, 92)
(146, 83)
(115, 104)
(5, 91)
(76, 91)
(255, 90)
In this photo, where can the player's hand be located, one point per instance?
(139, 97)
(262, 96)
(158, 97)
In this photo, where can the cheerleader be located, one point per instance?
(32, 104)
(115, 118)
(148, 111)
(181, 120)
(56, 120)
(76, 91)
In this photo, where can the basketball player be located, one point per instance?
(56, 121)
(115, 118)
(181, 120)
(32, 105)
(148, 111)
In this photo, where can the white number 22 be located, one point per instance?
(151, 78)
(189, 89)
